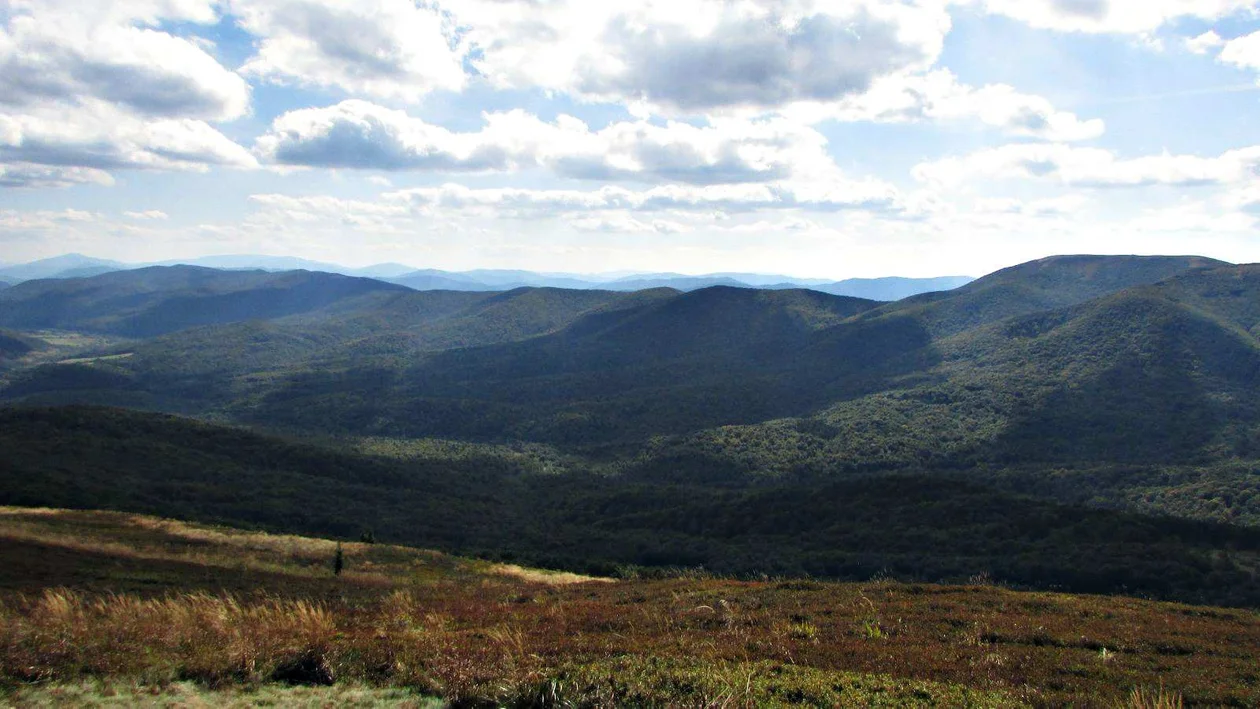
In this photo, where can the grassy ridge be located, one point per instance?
(472, 632)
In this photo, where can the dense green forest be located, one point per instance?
(1089, 423)
(513, 505)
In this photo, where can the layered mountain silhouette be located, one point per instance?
(1150, 336)
(1122, 383)
(491, 280)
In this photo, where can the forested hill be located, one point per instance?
(161, 299)
(656, 424)
(1069, 358)
(1039, 286)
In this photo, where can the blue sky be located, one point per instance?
(817, 139)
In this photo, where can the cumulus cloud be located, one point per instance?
(938, 95)
(394, 49)
(700, 55)
(358, 134)
(1109, 16)
(1243, 52)
(101, 138)
(857, 60)
(1204, 43)
(90, 87)
(42, 176)
(57, 53)
(1090, 167)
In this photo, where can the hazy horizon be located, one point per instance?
(263, 261)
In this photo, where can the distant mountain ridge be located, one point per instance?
(494, 280)
(66, 266)
(158, 299)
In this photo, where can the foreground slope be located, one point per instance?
(98, 599)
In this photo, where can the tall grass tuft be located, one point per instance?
(1143, 698)
(64, 636)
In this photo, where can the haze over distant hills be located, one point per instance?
(67, 266)
(482, 280)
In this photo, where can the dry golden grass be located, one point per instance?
(189, 695)
(125, 604)
(103, 358)
(142, 538)
(549, 578)
(1143, 698)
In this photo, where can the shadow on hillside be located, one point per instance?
(28, 567)
(1131, 413)
(578, 391)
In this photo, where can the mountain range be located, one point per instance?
(486, 280)
(1075, 421)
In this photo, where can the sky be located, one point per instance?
(822, 139)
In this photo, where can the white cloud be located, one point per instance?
(357, 134)
(392, 49)
(1204, 43)
(1204, 217)
(857, 59)
(697, 56)
(1243, 52)
(148, 215)
(319, 205)
(1245, 198)
(116, 12)
(1109, 16)
(869, 195)
(938, 95)
(626, 224)
(45, 176)
(101, 137)
(89, 87)
(54, 53)
(673, 209)
(1090, 167)
(44, 220)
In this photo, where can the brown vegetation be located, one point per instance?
(462, 631)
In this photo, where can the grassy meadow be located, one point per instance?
(110, 609)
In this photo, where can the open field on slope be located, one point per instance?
(105, 607)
